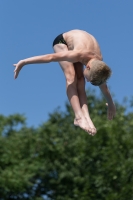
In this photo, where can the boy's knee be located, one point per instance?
(71, 78)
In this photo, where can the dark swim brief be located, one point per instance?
(59, 40)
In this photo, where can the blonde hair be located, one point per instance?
(99, 72)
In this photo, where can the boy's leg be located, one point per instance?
(82, 94)
(71, 84)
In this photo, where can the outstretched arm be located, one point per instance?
(71, 56)
(111, 106)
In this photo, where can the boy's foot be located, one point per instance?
(82, 123)
(94, 130)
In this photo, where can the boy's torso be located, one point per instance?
(81, 40)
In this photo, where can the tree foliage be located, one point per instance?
(63, 162)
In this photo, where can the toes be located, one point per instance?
(88, 131)
(92, 131)
(76, 122)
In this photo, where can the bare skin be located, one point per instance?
(81, 49)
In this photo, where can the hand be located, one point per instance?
(111, 111)
(18, 67)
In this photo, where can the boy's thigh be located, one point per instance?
(79, 70)
(67, 67)
(80, 77)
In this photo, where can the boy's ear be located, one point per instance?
(88, 67)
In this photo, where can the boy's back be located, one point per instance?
(81, 40)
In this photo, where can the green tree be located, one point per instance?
(63, 162)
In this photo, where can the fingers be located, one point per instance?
(110, 111)
(110, 115)
(18, 67)
(15, 75)
(15, 71)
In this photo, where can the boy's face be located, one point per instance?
(87, 77)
